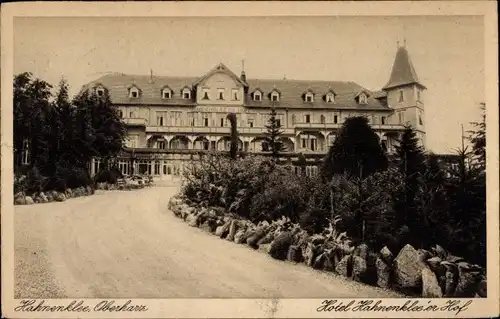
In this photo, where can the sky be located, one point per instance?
(447, 52)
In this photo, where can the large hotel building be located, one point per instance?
(171, 118)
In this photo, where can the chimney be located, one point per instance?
(151, 79)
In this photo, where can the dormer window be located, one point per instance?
(309, 97)
(167, 93)
(186, 93)
(134, 92)
(275, 96)
(362, 98)
(257, 96)
(330, 97)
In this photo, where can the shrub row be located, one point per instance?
(430, 274)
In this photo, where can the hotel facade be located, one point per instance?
(169, 119)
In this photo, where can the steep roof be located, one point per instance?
(290, 92)
(403, 72)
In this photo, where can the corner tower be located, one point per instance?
(405, 93)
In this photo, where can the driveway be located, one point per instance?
(126, 244)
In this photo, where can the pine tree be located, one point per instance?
(478, 139)
(273, 136)
(410, 161)
(356, 151)
(67, 121)
(466, 192)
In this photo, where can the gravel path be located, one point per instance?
(120, 244)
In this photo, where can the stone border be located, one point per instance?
(52, 196)
(418, 273)
(55, 196)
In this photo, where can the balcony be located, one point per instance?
(209, 130)
(317, 126)
(134, 121)
(332, 126)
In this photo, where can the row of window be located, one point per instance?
(256, 95)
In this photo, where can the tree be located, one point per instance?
(410, 161)
(273, 136)
(466, 227)
(67, 121)
(31, 122)
(356, 151)
(99, 129)
(234, 136)
(478, 139)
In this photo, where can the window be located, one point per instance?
(383, 120)
(133, 141)
(322, 119)
(278, 122)
(220, 94)
(132, 114)
(362, 99)
(294, 119)
(307, 118)
(309, 97)
(222, 122)
(100, 92)
(161, 145)
(313, 144)
(275, 96)
(205, 94)
(212, 145)
(330, 98)
(159, 120)
(167, 94)
(401, 117)
(335, 119)
(205, 120)
(250, 122)
(120, 112)
(401, 97)
(134, 93)
(186, 93)
(235, 94)
(257, 96)
(192, 122)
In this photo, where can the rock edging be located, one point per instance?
(429, 274)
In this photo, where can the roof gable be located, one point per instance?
(220, 68)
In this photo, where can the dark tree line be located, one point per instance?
(415, 200)
(61, 135)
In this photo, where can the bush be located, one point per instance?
(34, 182)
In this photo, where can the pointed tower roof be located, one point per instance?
(403, 72)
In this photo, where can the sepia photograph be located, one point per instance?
(322, 157)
